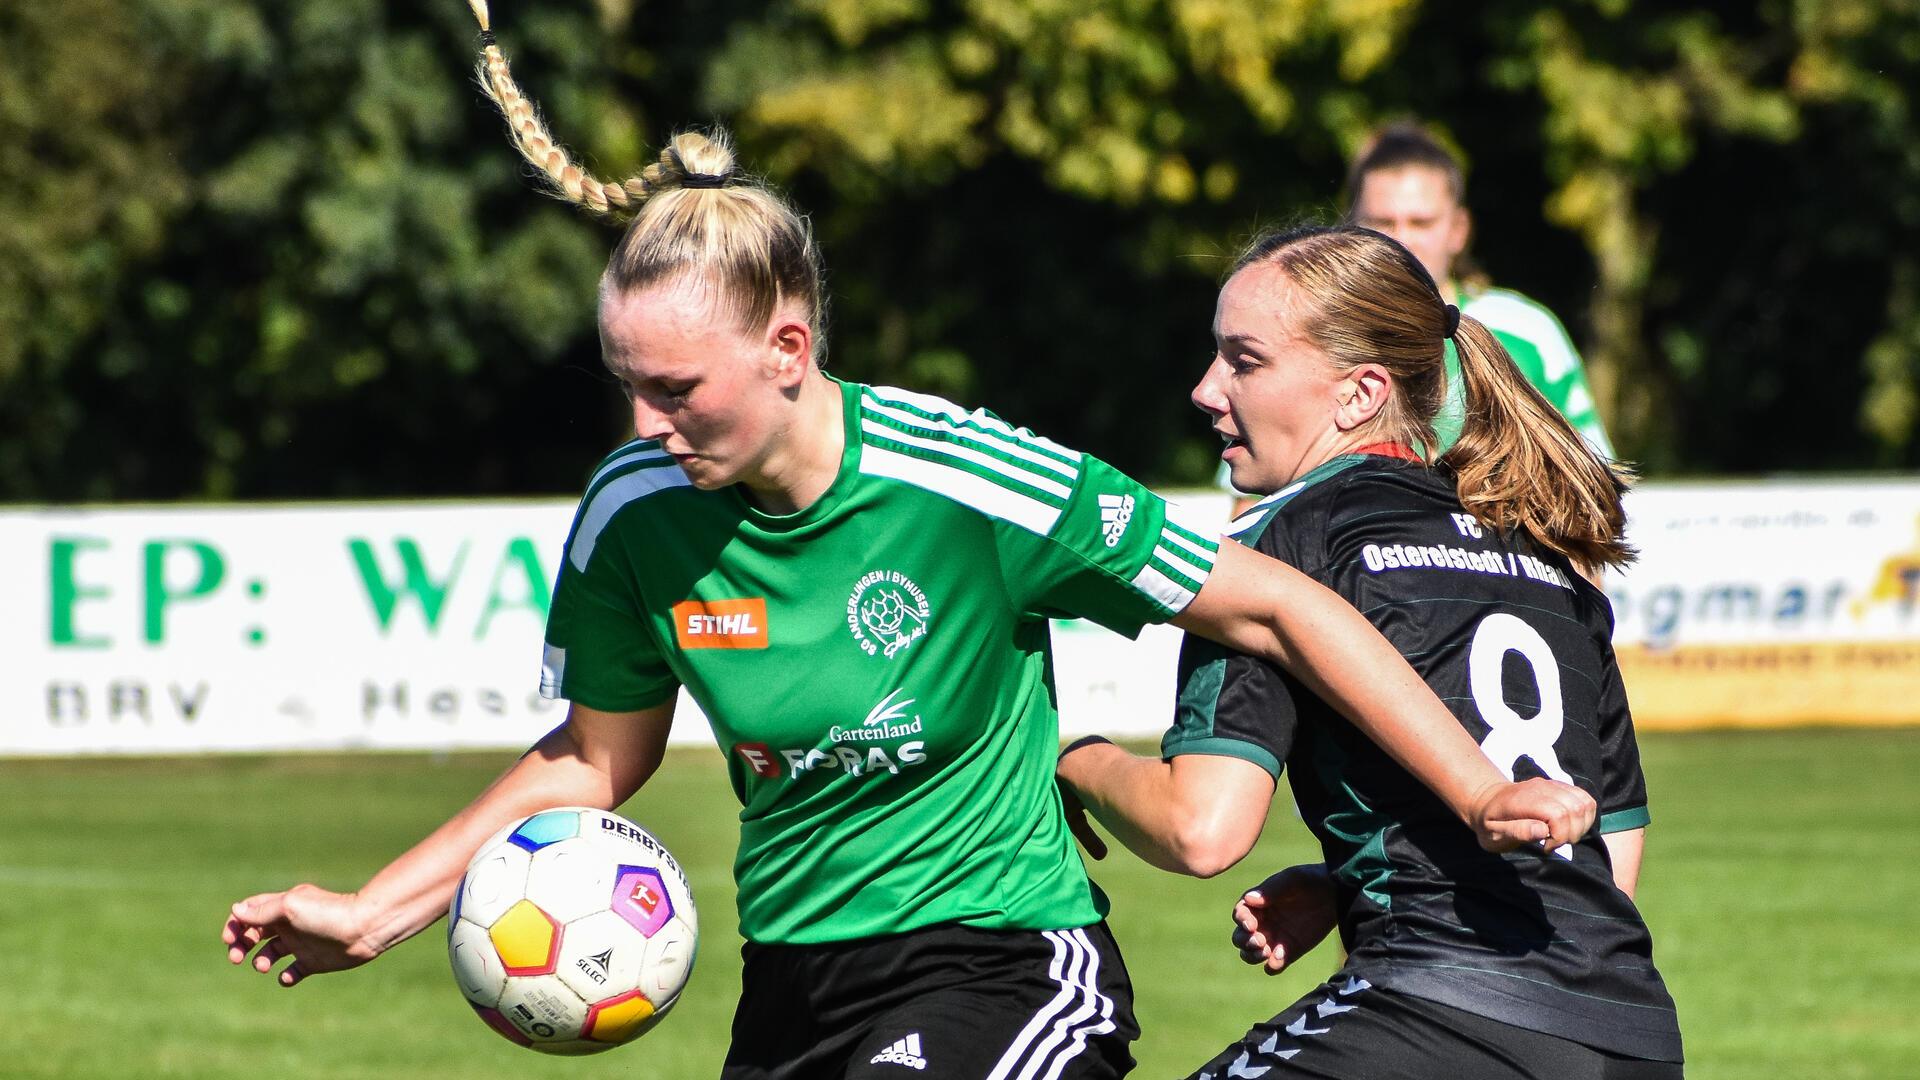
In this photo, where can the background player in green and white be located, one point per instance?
(1462, 963)
(854, 582)
(1407, 185)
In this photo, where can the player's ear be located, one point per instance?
(789, 350)
(1364, 392)
(1459, 232)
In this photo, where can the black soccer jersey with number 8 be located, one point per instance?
(1518, 647)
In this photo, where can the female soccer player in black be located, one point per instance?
(1462, 963)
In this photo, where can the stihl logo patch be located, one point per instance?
(721, 624)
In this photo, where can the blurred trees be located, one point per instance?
(275, 251)
(254, 249)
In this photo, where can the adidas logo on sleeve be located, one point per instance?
(1116, 513)
(903, 1052)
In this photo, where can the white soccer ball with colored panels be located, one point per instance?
(572, 932)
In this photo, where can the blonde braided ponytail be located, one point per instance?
(564, 178)
(691, 211)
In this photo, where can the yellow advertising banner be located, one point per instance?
(1784, 685)
(1771, 604)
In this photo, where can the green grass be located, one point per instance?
(1781, 882)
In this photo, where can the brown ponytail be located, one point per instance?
(1519, 463)
(1364, 299)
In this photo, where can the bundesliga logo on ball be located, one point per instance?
(572, 932)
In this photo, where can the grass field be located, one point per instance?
(1782, 882)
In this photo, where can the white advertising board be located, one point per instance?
(395, 625)
(418, 625)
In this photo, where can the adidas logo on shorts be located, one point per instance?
(904, 1052)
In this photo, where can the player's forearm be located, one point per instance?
(1131, 797)
(1175, 819)
(1352, 667)
(1624, 849)
(1332, 648)
(1260, 606)
(413, 892)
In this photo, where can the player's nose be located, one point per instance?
(649, 422)
(1209, 395)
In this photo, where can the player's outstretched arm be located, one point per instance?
(1264, 607)
(593, 759)
(1280, 920)
(1196, 814)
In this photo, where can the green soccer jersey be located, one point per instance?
(876, 666)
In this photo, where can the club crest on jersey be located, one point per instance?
(886, 612)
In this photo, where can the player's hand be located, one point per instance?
(1078, 823)
(1536, 811)
(1281, 919)
(321, 930)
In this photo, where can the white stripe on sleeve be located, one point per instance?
(608, 501)
(961, 486)
(1169, 593)
(553, 672)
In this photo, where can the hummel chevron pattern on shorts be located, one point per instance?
(903, 1052)
(1255, 1061)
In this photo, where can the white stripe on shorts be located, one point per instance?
(1100, 1006)
(1058, 1032)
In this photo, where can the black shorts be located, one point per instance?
(948, 1002)
(1349, 1030)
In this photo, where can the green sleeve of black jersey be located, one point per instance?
(1230, 703)
(1623, 786)
(1117, 554)
(601, 652)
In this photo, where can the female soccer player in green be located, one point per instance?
(854, 582)
(1462, 962)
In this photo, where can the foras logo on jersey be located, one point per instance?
(759, 757)
(1116, 513)
(886, 612)
(884, 743)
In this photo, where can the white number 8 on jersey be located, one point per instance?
(1514, 736)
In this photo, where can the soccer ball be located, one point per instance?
(572, 932)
